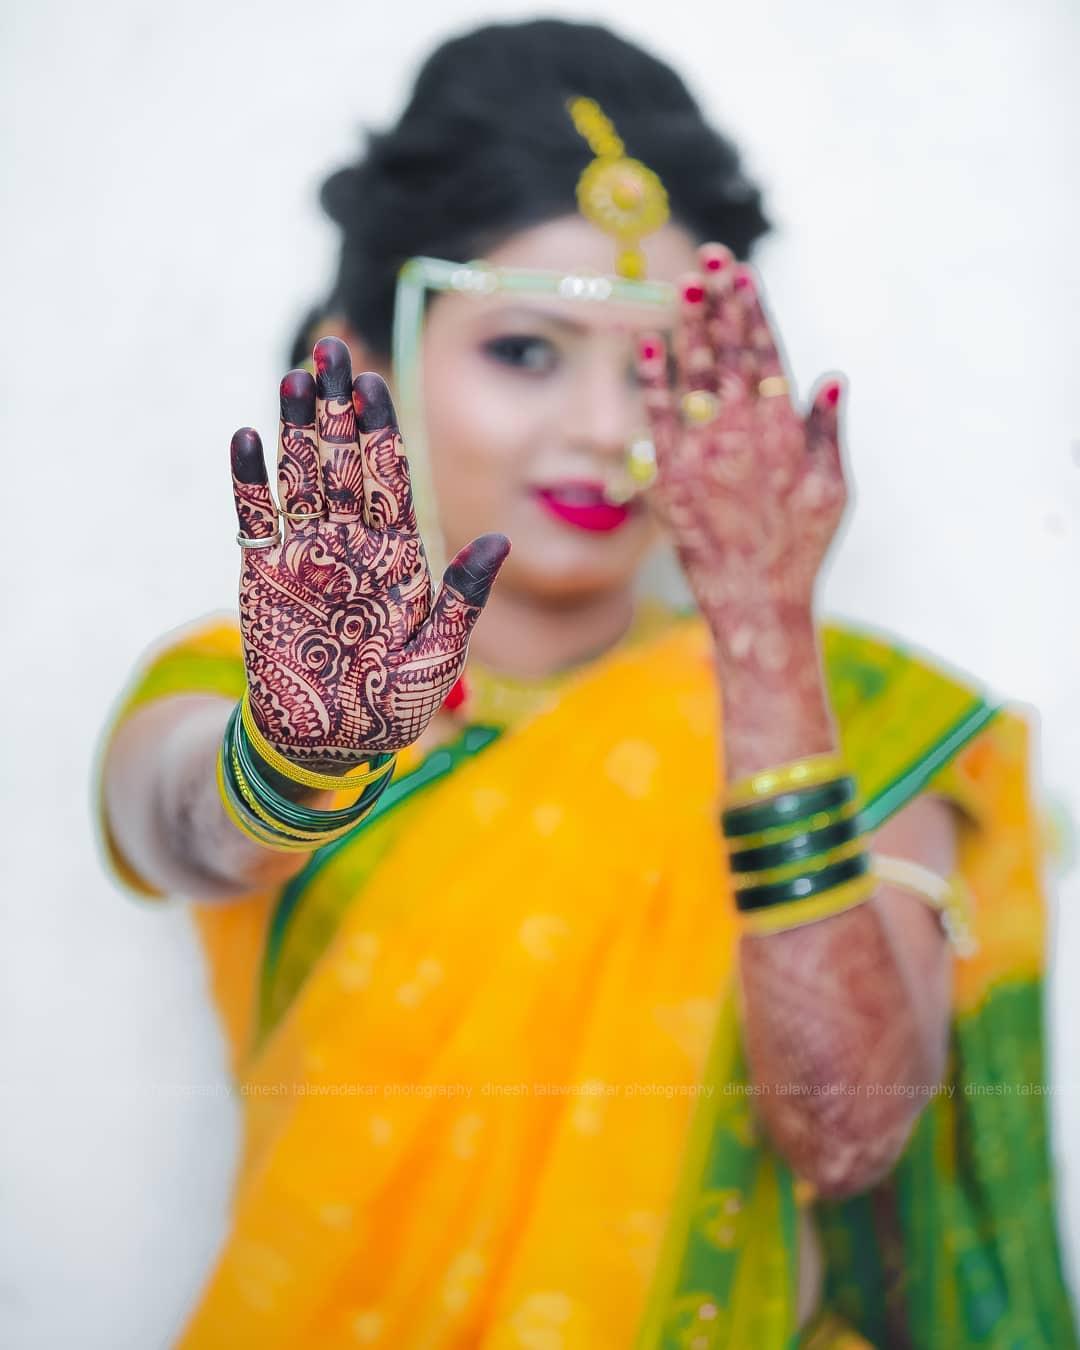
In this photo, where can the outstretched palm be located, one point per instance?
(346, 652)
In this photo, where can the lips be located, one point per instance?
(582, 503)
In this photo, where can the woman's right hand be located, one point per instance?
(346, 653)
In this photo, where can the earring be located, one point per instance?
(640, 470)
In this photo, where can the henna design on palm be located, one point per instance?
(347, 652)
(752, 498)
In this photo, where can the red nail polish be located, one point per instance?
(693, 293)
(716, 264)
(649, 351)
(744, 282)
(832, 395)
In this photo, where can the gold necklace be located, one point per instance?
(494, 699)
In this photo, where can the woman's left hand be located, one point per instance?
(751, 489)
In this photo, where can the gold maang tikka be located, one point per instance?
(624, 198)
(621, 196)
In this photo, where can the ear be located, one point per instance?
(337, 325)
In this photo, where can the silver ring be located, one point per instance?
(270, 541)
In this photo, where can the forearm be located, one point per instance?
(835, 1035)
(165, 812)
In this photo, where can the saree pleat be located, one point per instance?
(493, 1084)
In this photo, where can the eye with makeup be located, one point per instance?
(525, 352)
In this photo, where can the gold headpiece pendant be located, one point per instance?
(620, 195)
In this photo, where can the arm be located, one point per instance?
(347, 651)
(839, 1013)
(164, 811)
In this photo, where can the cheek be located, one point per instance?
(483, 432)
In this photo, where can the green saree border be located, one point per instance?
(911, 781)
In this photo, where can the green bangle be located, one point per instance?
(796, 848)
(294, 813)
(801, 888)
(245, 821)
(279, 827)
(787, 808)
(272, 818)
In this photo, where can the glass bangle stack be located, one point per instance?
(262, 813)
(796, 851)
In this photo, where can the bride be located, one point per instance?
(598, 970)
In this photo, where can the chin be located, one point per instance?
(560, 573)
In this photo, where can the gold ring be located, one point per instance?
(699, 406)
(772, 386)
(301, 515)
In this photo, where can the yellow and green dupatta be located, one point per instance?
(491, 1070)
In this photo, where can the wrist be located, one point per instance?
(775, 702)
(763, 634)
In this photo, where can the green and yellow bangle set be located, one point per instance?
(268, 817)
(795, 847)
(797, 853)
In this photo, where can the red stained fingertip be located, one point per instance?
(715, 259)
(693, 293)
(832, 395)
(745, 282)
(648, 349)
(297, 398)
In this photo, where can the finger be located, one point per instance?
(821, 493)
(388, 501)
(299, 478)
(695, 358)
(654, 377)
(760, 357)
(725, 320)
(823, 428)
(254, 506)
(339, 454)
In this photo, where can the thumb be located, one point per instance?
(823, 427)
(465, 587)
(474, 568)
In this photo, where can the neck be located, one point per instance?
(527, 638)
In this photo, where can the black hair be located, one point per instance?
(485, 147)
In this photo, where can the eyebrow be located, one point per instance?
(556, 318)
(533, 312)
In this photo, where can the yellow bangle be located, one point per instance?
(800, 773)
(316, 838)
(952, 899)
(797, 913)
(803, 867)
(247, 827)
(324, 782)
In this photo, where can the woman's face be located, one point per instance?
(530, 406)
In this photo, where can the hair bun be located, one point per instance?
(342, 195)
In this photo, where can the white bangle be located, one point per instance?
(952, 899)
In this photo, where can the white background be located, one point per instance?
(161, 239)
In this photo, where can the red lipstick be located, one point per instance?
(582, 504)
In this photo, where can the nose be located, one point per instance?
(601, 411)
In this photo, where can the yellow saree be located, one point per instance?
(490, 1063)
